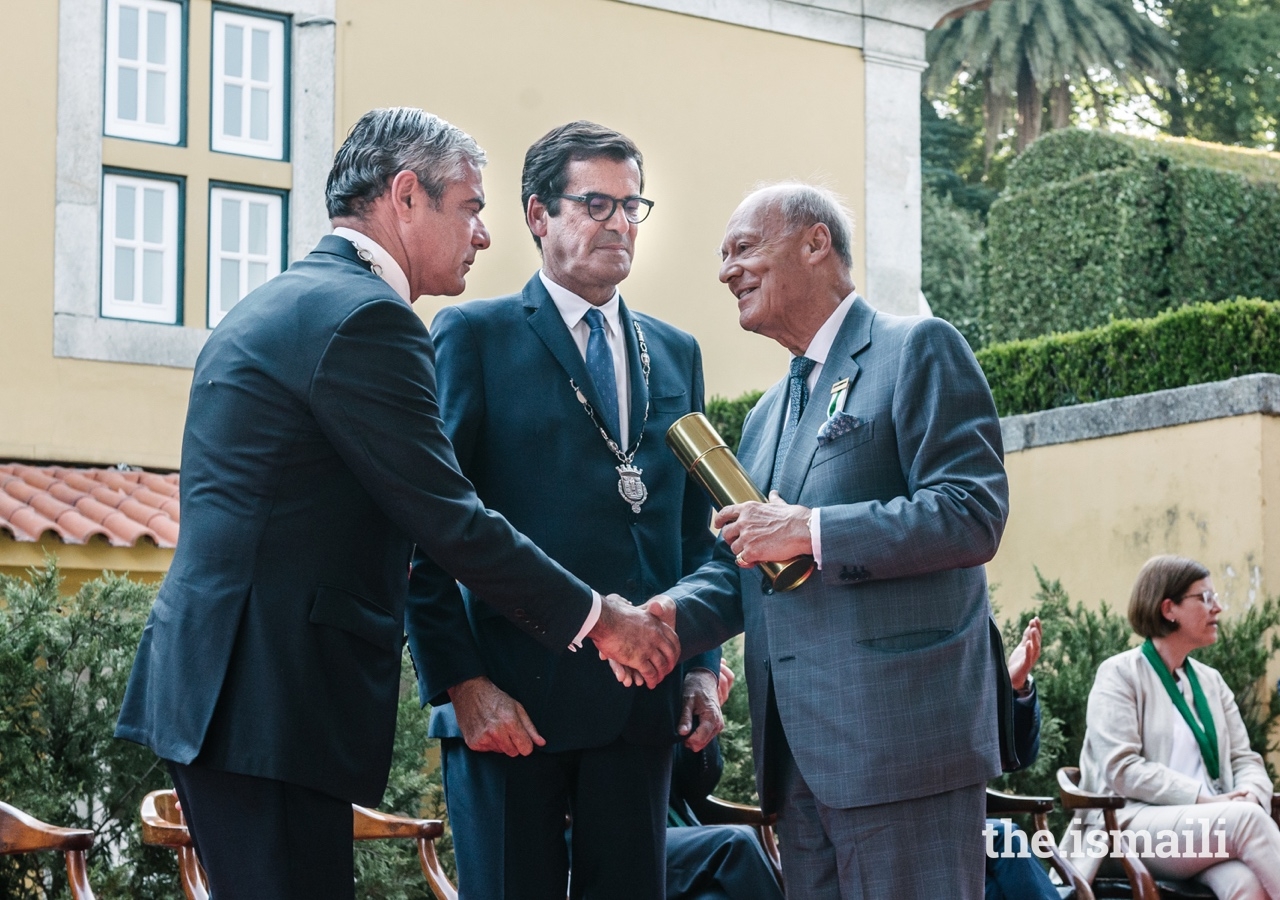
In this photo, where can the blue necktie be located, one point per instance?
(600, 368)
(798, 383)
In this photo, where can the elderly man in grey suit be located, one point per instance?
(872, 684)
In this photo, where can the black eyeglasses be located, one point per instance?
(601, 206)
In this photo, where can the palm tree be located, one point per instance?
(1024, 48)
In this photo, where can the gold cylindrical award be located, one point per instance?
(710, 461)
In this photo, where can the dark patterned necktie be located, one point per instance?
(798, 383)
(600, 368)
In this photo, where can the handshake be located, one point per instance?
(639, 642)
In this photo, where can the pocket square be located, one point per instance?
(840, 423)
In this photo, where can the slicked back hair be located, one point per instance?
(546, 164)
(804, 205)
(388, 141)
(1160, 577)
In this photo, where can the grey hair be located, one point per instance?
(804, 205)
(387, 141)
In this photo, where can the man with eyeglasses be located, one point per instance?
(556, 400)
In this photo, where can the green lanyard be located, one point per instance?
(1206, 737)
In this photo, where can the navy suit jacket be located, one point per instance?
(535, 456)
(312, 461)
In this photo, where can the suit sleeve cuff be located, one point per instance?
(815, 535)
(592, 618)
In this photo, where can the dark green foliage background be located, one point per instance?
(1192, 345)
(1096, 226)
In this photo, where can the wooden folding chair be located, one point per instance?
(163, 825)
(21, 833)
(1000, 804)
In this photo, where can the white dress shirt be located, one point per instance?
(818, 350)
(384, 264)
(1186, 757)
(573, 309)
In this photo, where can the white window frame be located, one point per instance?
(170, 131)
(276, 84)
(272, 256)
(169, 245)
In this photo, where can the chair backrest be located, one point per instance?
(21, 833)
(163, 825)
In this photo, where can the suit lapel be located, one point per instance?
(639, 390)
(770, 410)
(854, 337)
(548, 325)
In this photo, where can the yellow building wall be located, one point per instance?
(714, 108)
(1091, 513)
(71, 410)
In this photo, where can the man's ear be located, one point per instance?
(536, 216)
(403, 194)
(817, 243)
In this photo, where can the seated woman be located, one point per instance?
(1164, 731)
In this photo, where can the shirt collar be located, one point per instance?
(572, 307)
(384, 264)
(820, 346)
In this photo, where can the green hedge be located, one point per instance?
(1191, 345)
(1095, 226)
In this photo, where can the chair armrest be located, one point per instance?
(162, 823)
(714, 811)
(21, 833)
(1000, 802)
(1074, 798)
(371, 825)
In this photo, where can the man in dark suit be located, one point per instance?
(556, 400)
(873, 683)
(312, 462)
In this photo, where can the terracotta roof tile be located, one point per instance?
(78, 504)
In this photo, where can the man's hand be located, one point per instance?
(1024, 655)
(725, 685)
(639, 641)
(664, 608)
(701, 700)
(765, 532)
(492, 721)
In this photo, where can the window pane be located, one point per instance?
(153, 216)
(258, 119)
(230, 287)
(258, 228)
(155, 97)
(231, 112)
(156, 33)
(233, 50)
(124, 274)
(257, 274)
(124, 215)
(127, 96)
(128, 32)
(153, 277)
(231, 227)
(260, 55)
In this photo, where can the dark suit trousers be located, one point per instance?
(718, 862)
(261, 839)
(508, 821)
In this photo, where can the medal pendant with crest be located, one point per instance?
(631, 487)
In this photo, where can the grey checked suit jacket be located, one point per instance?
(880, 664)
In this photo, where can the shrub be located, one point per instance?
(951, 271)
(1095, 226)
(727, 416)
(64, 662)
(1077, 640)
(1192, 345)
